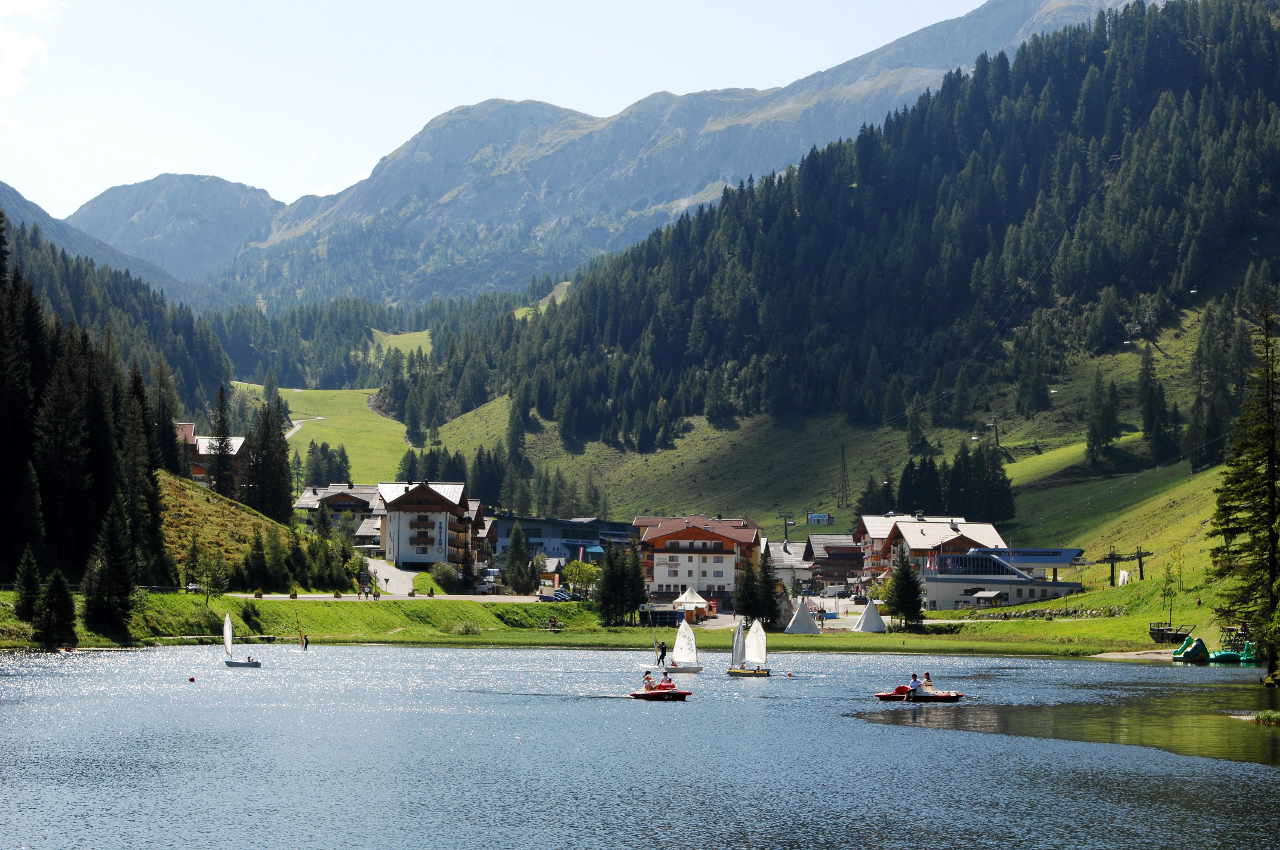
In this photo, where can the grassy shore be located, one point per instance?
(182, 618)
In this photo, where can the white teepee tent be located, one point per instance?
(870, 620)
(802, 621)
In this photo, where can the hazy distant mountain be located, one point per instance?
(487, 196)
(19, 210)
(187, 224)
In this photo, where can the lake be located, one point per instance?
(388, 747)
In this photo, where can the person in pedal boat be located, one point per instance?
(927, 684)
(913, 687)
(666, 683)
(648, 681)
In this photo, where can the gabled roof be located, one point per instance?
(878, 526)
(931, 535)
(738, 530)
(370, 527)
(311, 497)
(788, 555)
(816, 547)
(452, 492)
(204, 445)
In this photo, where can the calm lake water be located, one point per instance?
(387, 747)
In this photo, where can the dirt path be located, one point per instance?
(298, 423)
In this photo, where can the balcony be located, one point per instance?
(690, 548)
(421, 523)
(422, 540)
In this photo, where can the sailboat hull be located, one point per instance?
(684, 668)
(754, 673)
(233, 663)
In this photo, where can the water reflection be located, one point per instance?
(1194, 721)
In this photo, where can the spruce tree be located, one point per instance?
(1246, 566)
(109, 581)
(27, 587)
(767, 594)
(517, 562)
(746, 597)
(636, 594)
(54, 624)
(222, 466)
(903, 598)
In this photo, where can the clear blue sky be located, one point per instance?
(304, 97)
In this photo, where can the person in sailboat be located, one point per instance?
(662, 652)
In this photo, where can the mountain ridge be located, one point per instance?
(488, 195)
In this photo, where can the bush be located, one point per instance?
(446, 575)
(337, 594)
(465, 629)
(413, 592)
(252, 616)
(293, 593)
(257, 594)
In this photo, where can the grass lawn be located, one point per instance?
(424, 583)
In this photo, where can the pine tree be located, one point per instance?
(746, 596)
(903, 598)
(222, 468)
(517, 569)
(28, 587)
(766, 594)
(54, 624)
(109, 581)
(1246, 566)
(1100, 431)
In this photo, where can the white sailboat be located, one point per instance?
(684, 655)
(749, 654)
(230, 660)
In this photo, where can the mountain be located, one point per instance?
(488, 196)
(187, 224)
(1022, 215)
(76, 242)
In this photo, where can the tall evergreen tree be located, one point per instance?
(222, 469)
(54, 624)
(904, 596)
(28, 587)
(1247, 518)
(109, 581)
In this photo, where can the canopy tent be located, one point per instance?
(802, 622)
(870, 620)
(690, 601)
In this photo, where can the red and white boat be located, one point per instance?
(670, 693)
(903, 694)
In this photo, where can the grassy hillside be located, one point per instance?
(220, 523)
(405, 342)
(557, 294)
(374, 443)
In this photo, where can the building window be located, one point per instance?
(673, 573)
(673, 557)
(718, 573)
(717, 559)
(1019, 593)
(690, 573)
(704, 573)
(421, 550)
(689, 558)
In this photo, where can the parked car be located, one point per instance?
(859, 600)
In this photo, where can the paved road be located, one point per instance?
(391, 580)
(297, 423)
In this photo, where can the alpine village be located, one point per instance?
(789, 395)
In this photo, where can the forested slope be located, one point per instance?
(1032, 212)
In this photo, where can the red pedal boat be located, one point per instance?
(903, 694)
(661, 694)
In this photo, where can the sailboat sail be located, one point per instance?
(226, 633)
(755, 649)
(739, 647)
(685, 652)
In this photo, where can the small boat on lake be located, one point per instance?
(230, 660)
(661, 694)
(749, 653)
(684, 655)
(904, 694)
